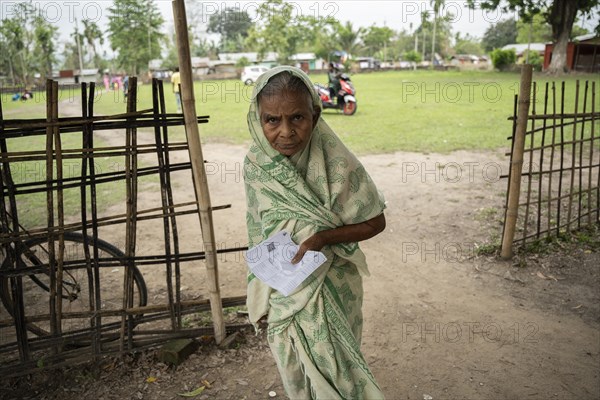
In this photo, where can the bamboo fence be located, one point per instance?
(46, 270)
(554, 179)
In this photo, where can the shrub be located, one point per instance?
(503, 59)
(413, 56)
(242, 62)
(535, 59)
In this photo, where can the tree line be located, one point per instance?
(136, 34)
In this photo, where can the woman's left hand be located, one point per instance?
(314, 243)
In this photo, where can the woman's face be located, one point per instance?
(288, 119)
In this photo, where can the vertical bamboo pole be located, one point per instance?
(541, 166)
(551, 159)
(165, 143)
(530, 174)
(85, 160)
(160, 150)
(198, 172)
(97, 344)
(592, 142)
(516, 167)
(573, 157)
(60, 212)
(131, 178)
(561, 159)
(51, 116)
(581, 140)
(512, 146)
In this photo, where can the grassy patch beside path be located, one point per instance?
(420, 111)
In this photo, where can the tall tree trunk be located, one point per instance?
(562, 17)
(423, 47)
(49, 66)
(11, 69)
(95, 55)
(433, 40)
(23, 70)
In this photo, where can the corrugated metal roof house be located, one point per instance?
(583, 54)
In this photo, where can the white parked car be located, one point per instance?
(250, 74)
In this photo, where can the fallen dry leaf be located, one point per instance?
(151, 379)
(193, 393)
(540, 275)
(206, 383)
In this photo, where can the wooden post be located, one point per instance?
(516, 167)
(198, 172)
(51, 116)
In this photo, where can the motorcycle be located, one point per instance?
(345, 99)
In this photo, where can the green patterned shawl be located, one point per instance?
(322, 187)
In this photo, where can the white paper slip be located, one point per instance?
(270, 261)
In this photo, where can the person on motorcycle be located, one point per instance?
(334, 80)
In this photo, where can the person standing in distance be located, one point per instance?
(175, 81)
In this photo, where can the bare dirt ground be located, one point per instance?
(442, 321)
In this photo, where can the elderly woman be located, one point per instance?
(301, 178)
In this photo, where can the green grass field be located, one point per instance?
(423, 111)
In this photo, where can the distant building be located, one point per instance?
(521, 48)
(156, 70)
(268, 60)
(73, 76)
(308, 61)
(201, 65)
(469, 61)
(461, 59)
(223, 69)
(583, 54)
(367, 63)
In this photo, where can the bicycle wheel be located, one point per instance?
(75, 287)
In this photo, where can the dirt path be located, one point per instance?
(440, 321)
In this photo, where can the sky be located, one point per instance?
(395, 14)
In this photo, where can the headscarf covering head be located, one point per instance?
(268, 85)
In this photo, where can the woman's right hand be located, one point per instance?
(313, 243)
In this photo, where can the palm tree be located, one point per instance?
(437, 5)
(348, 39)
(91, 33)
(424, 24)
(78, 39)
(45, 36)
